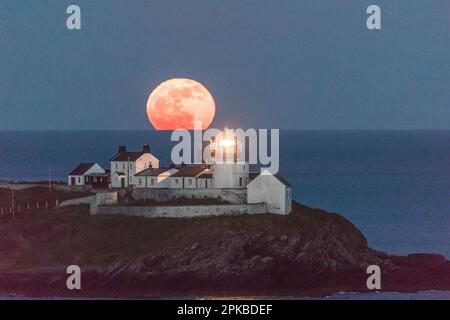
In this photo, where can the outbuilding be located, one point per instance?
(273, 190)
(78, 176)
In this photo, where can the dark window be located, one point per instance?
(240, 181)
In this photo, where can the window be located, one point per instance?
(131, 166)
(240, 181)
(140, 181)
(190, 181)
(79, 179)
(152, 181)
(176, 181)
(123, 166)
(95, 179)
(116, 166)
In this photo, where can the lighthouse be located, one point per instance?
(228, 166)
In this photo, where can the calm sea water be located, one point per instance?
(393, 185)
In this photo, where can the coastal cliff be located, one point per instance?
(310, 252)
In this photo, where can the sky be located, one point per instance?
(287, 64)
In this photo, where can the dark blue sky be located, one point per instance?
(275, 64)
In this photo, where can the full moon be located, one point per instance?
(178, 103)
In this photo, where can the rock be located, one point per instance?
(194, 245)
(152, 262)
(254, 258)
(266, 260)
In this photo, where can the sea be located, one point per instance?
(393, 185)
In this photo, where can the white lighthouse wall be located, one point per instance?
(230, 175)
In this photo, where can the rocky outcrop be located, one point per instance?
(310, 252)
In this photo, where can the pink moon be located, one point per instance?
(178, 103)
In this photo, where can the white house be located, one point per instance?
(154, 177)
(272, 190)
(125, 164)
(186, 177)
(77, 177)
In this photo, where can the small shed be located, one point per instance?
(273, 190)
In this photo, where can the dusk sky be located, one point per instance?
(269, 64)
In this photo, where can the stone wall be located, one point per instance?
(101, 199)
(77, 201)
(234, 196)
(183, 211)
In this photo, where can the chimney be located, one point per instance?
(146, 148)
(172, 165)
(122, 149)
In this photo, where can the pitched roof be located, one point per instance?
(152, 172)
(189, 172)
(81, 169)
(97, 174)
(253, 175)
(283, 180)
(126, 156)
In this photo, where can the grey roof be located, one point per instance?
(152, 172)
(81, 169)
(283, 180)
(127, 156)
(253, 175)
(106, 174)
(189, 172)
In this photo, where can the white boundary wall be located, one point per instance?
(234, 196)
(183, 211)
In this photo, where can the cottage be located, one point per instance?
(125, 164)
(273, 190)
(186, 177)
(78, 176)
(154, 177)
(205, 181)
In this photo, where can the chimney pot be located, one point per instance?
(122, 149)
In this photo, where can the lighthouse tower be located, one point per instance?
(229, 168)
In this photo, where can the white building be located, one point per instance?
(205, 181)
(187, 177)
(77, 177)
(272, 190)
(125, 164)
(154, 177)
